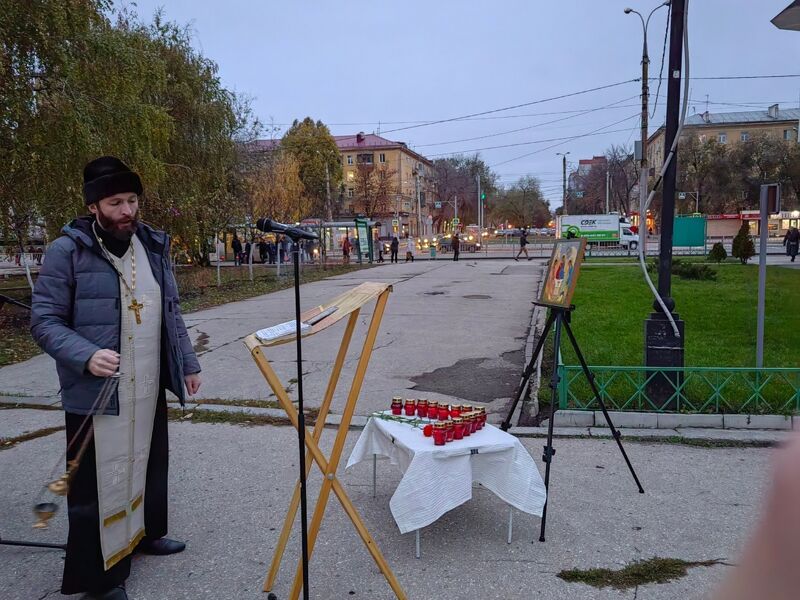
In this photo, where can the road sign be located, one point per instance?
(395, 222)
(681, 195)
(579, 194)
(437, 205)
(456, 220)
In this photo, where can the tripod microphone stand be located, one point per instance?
(560, 317)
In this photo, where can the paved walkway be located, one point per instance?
(432, 324)
(230, 485)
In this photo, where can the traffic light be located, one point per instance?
(483, 195)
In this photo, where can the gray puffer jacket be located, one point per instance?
(76, 311)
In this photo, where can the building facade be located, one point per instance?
(403, 181)
(730, 128)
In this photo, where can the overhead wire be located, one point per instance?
(505, 108)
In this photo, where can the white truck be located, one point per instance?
(602, 230)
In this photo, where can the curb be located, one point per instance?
(758, 430)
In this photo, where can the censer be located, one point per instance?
(45, 511)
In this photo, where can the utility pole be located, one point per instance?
(328, 204)
(608, 182)
(564, 181)
(419, 204)
(662, 347)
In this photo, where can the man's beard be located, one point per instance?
(122, 230)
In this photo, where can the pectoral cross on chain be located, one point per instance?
(136, 307)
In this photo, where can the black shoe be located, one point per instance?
(115, 593)
(160, 547)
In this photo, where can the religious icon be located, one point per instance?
(562, 272)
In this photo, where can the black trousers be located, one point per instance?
(84, 567)
(455, 254)
(394, 256)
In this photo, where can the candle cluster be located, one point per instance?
(448, 422)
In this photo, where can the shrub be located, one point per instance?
(743, 247)
(686, 270)
(718, 253)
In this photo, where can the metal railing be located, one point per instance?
(691, 389)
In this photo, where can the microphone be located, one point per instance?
(270, 226)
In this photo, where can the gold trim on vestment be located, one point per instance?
(135, 504)
(125, 551)
(114, 518)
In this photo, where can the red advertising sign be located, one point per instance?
(723, 217)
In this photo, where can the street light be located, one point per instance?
(645, 99)
(564, 180)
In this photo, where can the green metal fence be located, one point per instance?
(693, 389)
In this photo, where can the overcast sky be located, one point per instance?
(369, 65)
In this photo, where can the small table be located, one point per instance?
(437, 479)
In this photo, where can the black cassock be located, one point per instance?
(84, 569)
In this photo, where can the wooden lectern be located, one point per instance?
(347, 304)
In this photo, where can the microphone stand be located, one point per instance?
(301, 420)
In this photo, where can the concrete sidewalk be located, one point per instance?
(230, 486)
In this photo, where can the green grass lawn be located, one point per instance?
(720, 316)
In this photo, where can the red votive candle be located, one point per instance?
(422, 408)
(444, 412)
(397, 405)
(455, 410)
(451, 429)
(458, 428)
(473, 421)
(467, 428)
(433, 409)
(439, 434)
(410, 408)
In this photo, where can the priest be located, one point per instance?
(106, 305)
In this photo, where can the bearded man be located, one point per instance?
(106, 305)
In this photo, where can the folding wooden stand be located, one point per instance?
(348, 303)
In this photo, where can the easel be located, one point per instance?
(348, 303)
(560, 317)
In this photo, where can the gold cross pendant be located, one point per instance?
(137, 310)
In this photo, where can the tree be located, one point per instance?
(75, 86)
(374, 189)
(743, 247)
(273, 188)
(457, 181)
(522, 205)
(314, 148)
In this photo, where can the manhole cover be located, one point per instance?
(477, 297)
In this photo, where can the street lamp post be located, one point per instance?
(643, 167)
(664, 348)
(563, 181)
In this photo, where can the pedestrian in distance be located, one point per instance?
(456, 246)
(346, 248)
(394, 247)
(792, 242)
(523, 246)
(106, 305)
(411, 247)
(236, 246)
(262, 251)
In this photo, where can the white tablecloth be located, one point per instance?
(437, 479)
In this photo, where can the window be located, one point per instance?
(382, 157)
(744, 136)
(422, 198)
(350, 192)
(364, 159)
(787, 134)
(351, 176)
(349, 159)
(722, 138)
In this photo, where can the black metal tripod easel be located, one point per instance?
(560, 317)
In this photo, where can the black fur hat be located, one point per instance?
(106, 176)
